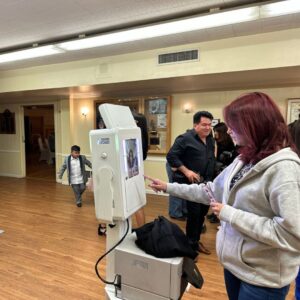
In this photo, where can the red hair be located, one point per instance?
(257, 118)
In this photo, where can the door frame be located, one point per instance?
(22, 129)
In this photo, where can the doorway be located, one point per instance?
(39, 141)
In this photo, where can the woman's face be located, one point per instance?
(237, 138)
(217, 136)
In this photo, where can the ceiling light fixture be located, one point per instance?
(168, 28)
(221, 18)
(30, 53)
(280, 8)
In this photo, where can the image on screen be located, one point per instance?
(131, 157)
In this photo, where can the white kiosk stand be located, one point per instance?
(119, 191)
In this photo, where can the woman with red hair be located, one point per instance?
(257, 199)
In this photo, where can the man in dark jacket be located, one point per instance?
(192, 156)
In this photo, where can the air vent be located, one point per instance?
(178, 57)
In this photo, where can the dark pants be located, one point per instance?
(194, 222)
(240, 290)
(177, 206)
(78, 190)
(297, 288)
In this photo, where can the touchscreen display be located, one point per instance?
(131, 157)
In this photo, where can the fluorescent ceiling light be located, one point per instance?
(218, 19)
(280, 8)
(185, 25)
(30, 53)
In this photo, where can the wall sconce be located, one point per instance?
(84, 111)
(187, 108)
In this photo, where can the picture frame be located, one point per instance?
(7, 122)
(157, 111)
(293, 110)
(214, 122)
(133, 103)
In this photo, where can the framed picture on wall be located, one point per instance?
(157, 111)
(214, 122)
(134, 104)
(293, 110)
(7, 122)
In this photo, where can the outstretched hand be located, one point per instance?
(157, 185)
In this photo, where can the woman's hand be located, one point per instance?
(157, 185)
(216, 207)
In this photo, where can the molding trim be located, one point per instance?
(151, 192)
(156, 158)
(11, 175)
(149, 158)
(9, 151)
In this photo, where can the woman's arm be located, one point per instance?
(191, 192)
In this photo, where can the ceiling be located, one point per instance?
(27, 22)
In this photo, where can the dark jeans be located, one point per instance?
(297, 288)
(194, 222)
(78, 190)
(240, 290)
(177, 206)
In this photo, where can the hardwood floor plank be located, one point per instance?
(50, 246)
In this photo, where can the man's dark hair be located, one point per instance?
(75, 148)
(198, 115)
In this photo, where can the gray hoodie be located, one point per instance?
(259, 238)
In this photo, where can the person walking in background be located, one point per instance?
(257, 199)
(77, 175)
(192, 155)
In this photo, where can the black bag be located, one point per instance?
(164, 239)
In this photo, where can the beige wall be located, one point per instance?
(261, 51)
(11, 146)
(269, 50)
(213, 102)
(73, 128)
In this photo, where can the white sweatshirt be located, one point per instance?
(259, 239)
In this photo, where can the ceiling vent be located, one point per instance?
(169, 58)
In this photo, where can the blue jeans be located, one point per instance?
(297, 289)
(177, 206)
(240, 290)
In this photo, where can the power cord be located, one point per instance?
(117, 281)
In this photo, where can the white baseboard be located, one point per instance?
(11, 175)
(151, 192)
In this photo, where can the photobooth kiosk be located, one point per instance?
(119, 191)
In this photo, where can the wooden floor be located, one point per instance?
(50, 246)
